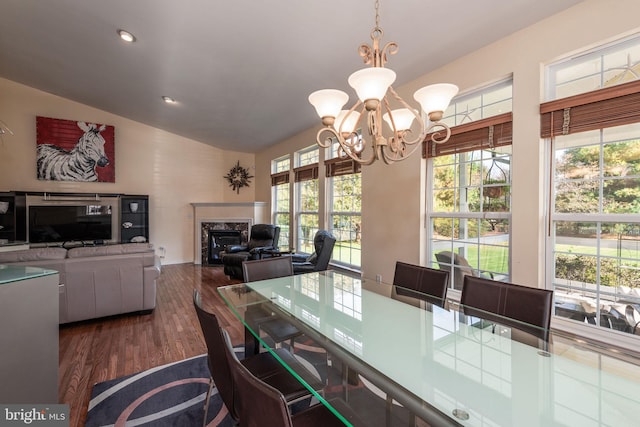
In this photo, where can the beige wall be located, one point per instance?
(172, 170)
(393, 199)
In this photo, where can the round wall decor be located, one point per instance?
(238, 177)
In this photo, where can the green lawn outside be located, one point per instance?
(348, 253)
(592, 250)
(494, 259)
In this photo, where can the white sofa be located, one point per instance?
(97, 281)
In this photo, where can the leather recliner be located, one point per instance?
(263, 237)
(323, 243)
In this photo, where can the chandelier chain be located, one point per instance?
(377, 13)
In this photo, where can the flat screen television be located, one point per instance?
(57, 223)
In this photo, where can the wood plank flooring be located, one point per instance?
(104, 349)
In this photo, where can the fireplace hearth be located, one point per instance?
(219, 240)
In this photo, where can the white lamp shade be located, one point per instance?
(403, 117)
(328, 102)
(350, 121)
(372, 83)
(435, 97)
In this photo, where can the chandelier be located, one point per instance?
(374, 90)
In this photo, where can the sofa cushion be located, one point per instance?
(90, 251)
(33, 254)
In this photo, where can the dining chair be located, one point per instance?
(425, 280)
(532, 306)
(275, 327)
(262, 365)
(267, 268)
(262, 405)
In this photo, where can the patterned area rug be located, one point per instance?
(174, 394)
(169, 395)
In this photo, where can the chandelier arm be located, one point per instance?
(395, 156)
(329, 141)
(435, 135)
(345, 147)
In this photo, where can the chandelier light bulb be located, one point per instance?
(346, 122)
(328, 102)
(372, 83)
(403, 118)
(435, 97)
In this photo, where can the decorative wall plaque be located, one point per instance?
(238, 177)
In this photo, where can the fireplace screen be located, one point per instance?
(218, 240)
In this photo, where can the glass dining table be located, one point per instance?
(393, 348)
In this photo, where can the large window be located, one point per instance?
(344, 209)
(307, 198)
(281, 208)
(594, 244)
(470, 193)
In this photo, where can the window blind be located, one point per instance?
(280, 178)
(306, 173)
(338, 167)
(482, 134)
(602, 108)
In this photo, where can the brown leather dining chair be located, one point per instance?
(425, 280)
(482, 297)
(262, 365)
(261, 405)
(275, 327)
(267, 268)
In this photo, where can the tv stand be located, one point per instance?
(129, 215)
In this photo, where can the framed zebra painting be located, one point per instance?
(74, 151)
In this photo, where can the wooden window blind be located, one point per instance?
(305, 173)
(602, 108)
(280, 178)
(338, 167)
(482, 134)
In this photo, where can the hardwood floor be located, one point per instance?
(103, 349)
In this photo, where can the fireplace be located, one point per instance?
(216, 234)
(219, 240)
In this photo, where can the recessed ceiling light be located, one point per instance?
(168, 100)
(126, 36)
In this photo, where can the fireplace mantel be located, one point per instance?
(212, 212)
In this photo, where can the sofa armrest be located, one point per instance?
(151, 273)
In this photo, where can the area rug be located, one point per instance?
(173, 395)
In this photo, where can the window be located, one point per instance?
(470, 202)
(344, 209)
(307, 198)
(603, 67)
(488, 102)
(594, 243)
(281, 207)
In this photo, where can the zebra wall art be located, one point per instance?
(72, 158)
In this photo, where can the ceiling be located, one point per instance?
(241, 70)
